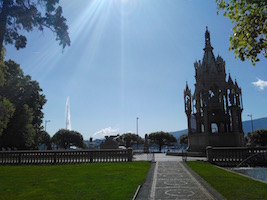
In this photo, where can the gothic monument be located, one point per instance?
(214, 109)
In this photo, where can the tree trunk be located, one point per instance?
(160, 147)
(3, 22)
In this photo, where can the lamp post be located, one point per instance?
(46, 123)
(137, 131)
(251, 123)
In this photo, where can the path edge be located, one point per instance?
(206, 185)
(144, 193)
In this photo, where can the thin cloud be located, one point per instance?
(260, 84)
(105, 132)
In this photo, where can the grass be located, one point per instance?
(228, 184)
(82, 181)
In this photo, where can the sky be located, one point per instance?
(131, 59)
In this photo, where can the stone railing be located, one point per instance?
(237, 156)
(64, 156)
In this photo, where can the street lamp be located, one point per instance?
(137, 125)
(46, 123)
(137, 131)
(251, 122)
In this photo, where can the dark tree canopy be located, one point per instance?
(250, 27)
(129, 139)
(257, 138)
(161, 138)
(183, 139)
(20, 131)
(27, 100)
(6, 112)
(42, 137)
(20, 89)
(66, 138)
(19, 15)
(6, 107)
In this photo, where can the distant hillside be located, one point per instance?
(177, 134)
(260, 123)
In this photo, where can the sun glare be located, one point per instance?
(127, 7)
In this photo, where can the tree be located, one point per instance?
(19, 15)
(257, 138)
(21, 89)
(161, 138)
(20, 131)
(27, 101)
(129, 139)
(66, 138)
(42, 137)
(6, 107)
(183, 139)
(250, 30)
(6, 112)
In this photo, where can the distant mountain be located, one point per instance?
(177, 134)
(260, 123)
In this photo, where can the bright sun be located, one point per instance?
(127, 7)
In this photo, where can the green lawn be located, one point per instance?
(81, 181)
(230, 185)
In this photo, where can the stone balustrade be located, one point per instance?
(64, 156)
(233, 156)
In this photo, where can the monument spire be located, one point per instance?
(208, 58)
(207, 41)
(207, 37)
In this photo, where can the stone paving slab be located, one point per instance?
(163, 157)
(172, 181)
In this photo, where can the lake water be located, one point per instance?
(259, 173)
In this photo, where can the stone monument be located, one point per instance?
(109, 143)
(214, 109)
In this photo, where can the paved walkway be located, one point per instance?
(170, 179)
(173, 181)
(163, 157)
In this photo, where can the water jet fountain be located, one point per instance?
(68, 125)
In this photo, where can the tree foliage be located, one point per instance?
(6, 107)
(129, 139)
(42, 137)
(21, 89)
(250, 27)
(183, 139)
(6, 110)
(20, 131)
(25, 99)
(66, 138)
(257, 138)
(161, 138)
(19, 15)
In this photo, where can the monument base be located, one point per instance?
(199, 141)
